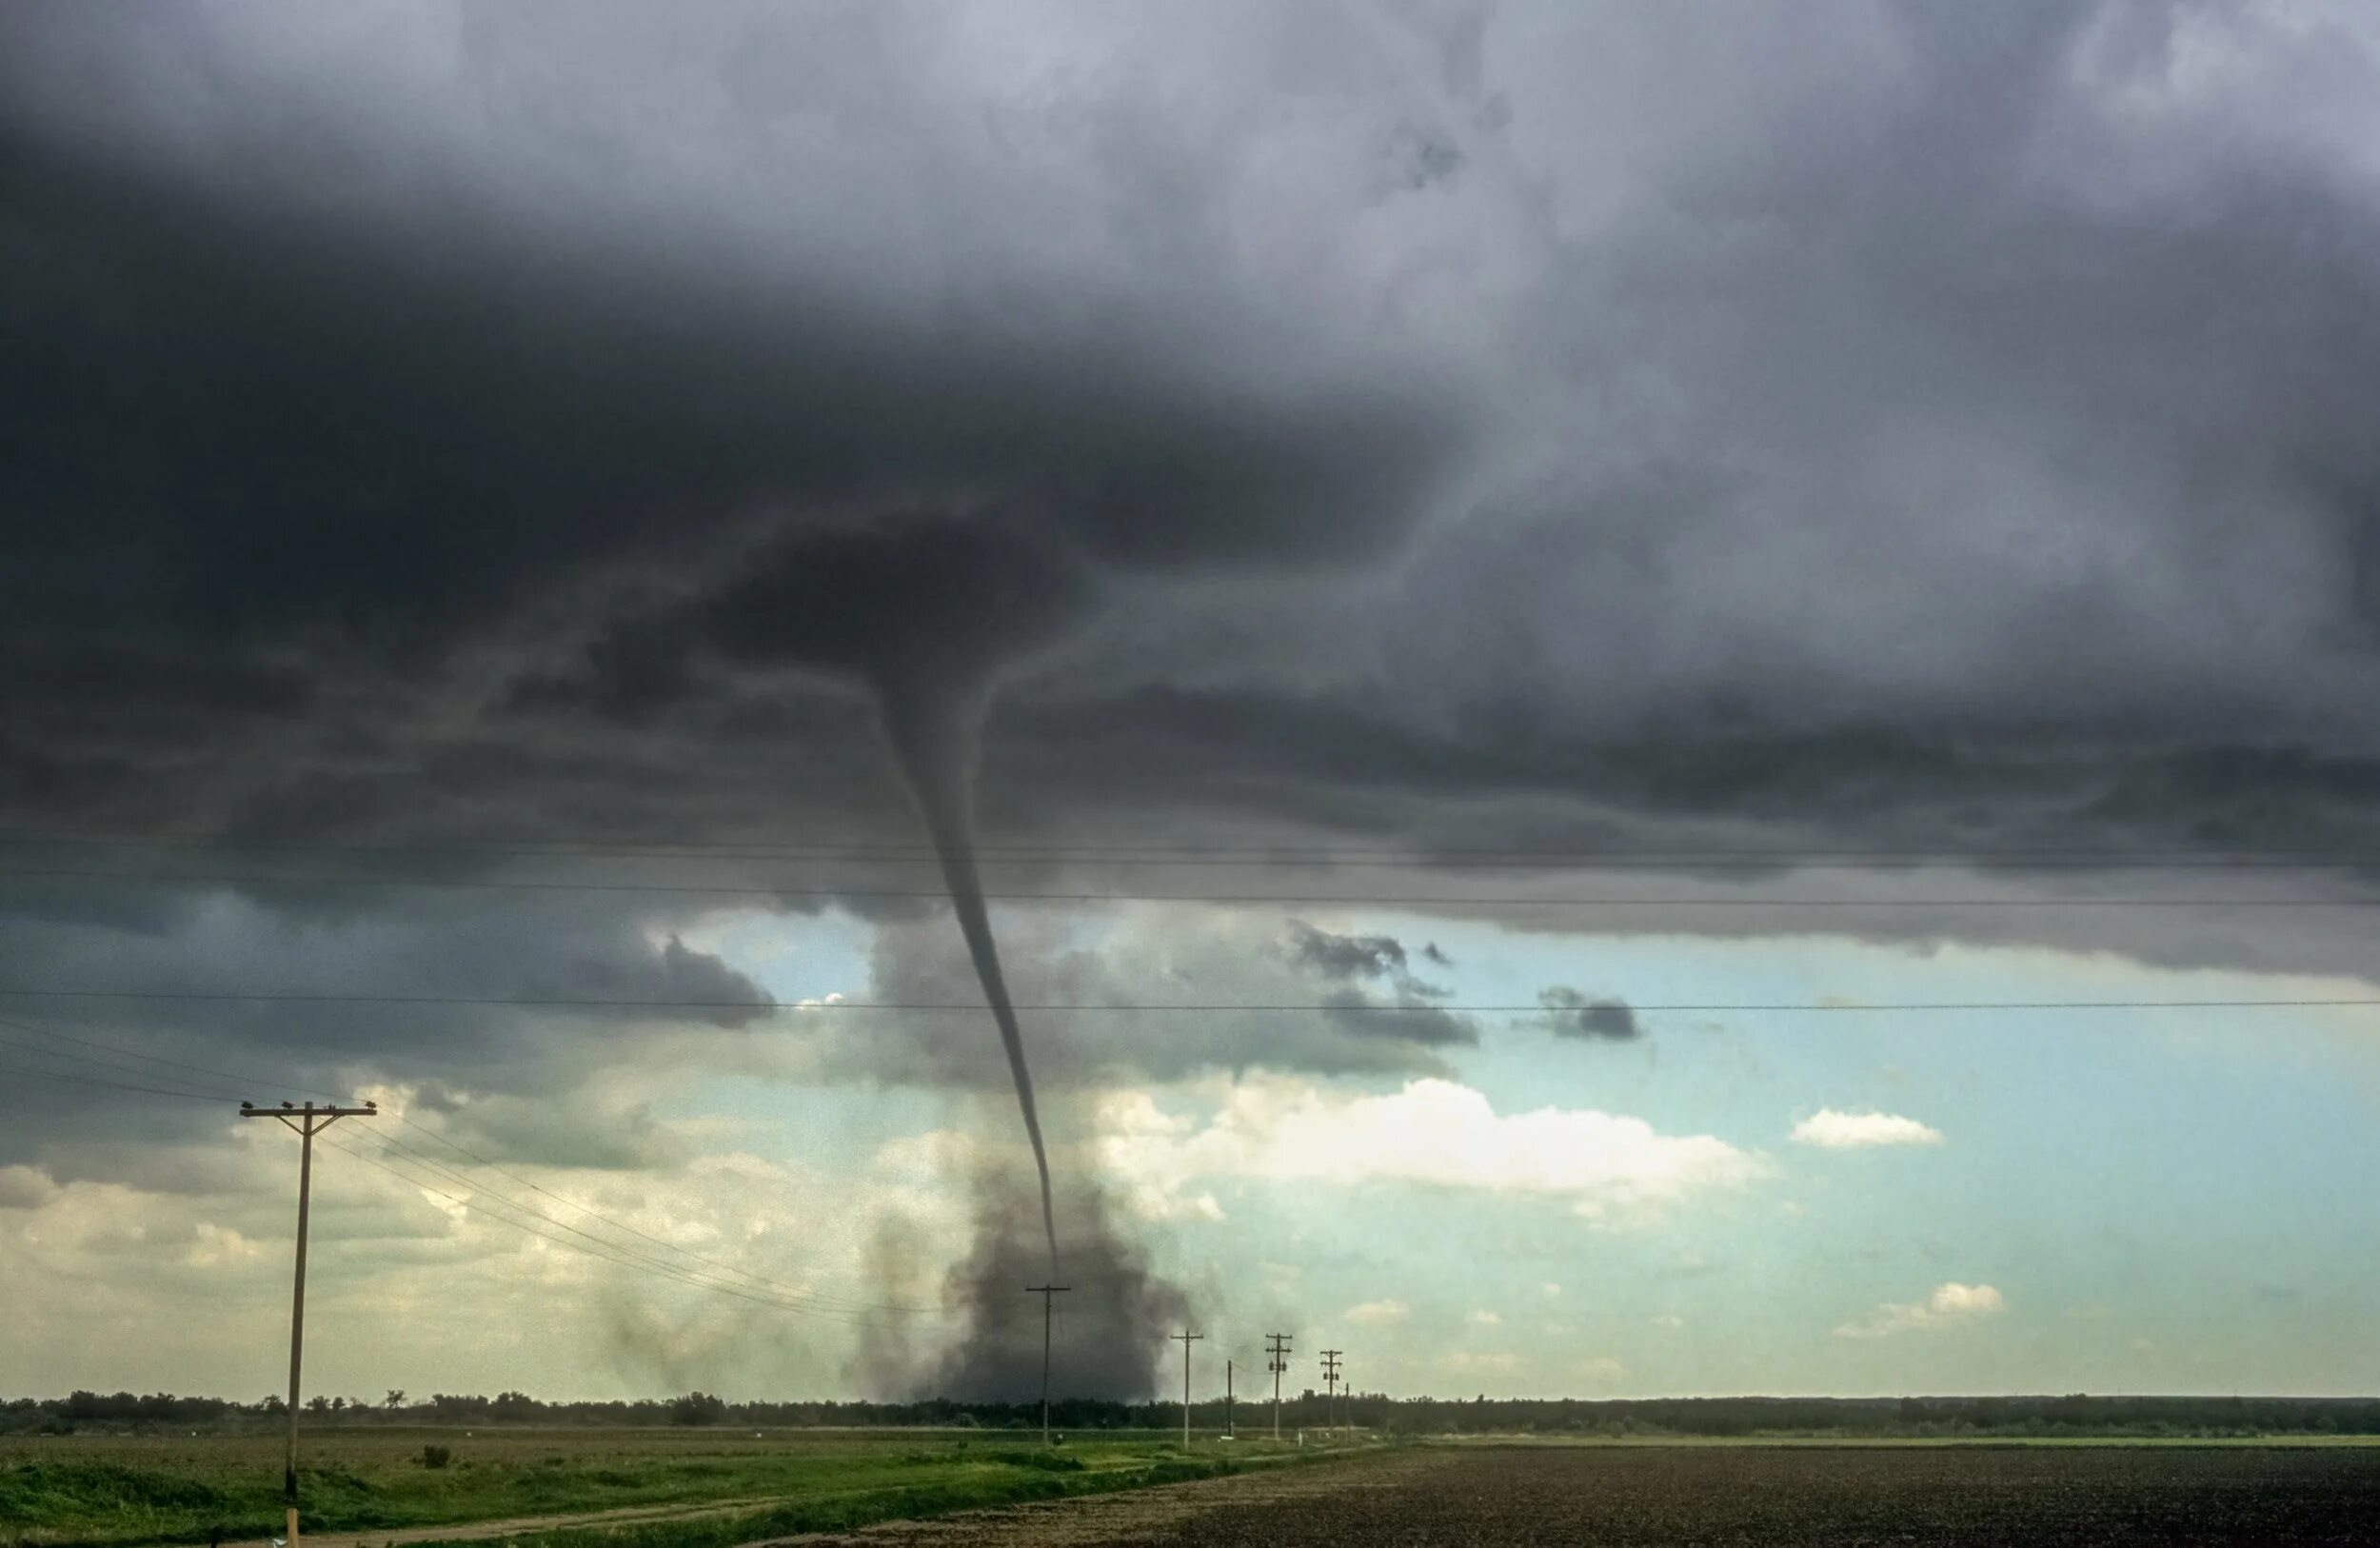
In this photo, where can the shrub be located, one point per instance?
(437, 1455)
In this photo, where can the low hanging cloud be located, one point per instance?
(1829, 1129)
(1406, 1010)
(1347, 956)
(1433, 1133)
(1950, 1305)
(1570, 1013)
(1375, 1314)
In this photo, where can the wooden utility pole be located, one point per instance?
(1231, 1430)
(1185, 1337)
(1330, 1383)
(305, 1123)
(1045, 1291)
(1279, 1345)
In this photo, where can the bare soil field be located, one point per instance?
(1966, 1496)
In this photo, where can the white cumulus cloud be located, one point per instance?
(1833, 1130)
(1950, 1305)
(1373, 1314)
(1433, 1133)
(1469, 1362)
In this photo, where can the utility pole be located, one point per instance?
(305, 1123)
(1278, 1344)
(1045, 1291)
(1330, 1383)
(1231, 1430)
(1185, 1337)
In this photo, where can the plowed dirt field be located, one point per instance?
(1772, 1497)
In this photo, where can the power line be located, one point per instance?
(1242, 899)
(249, 1081)
(1204, 1008)
(593, 1213)
(822, 1299)
(809, 1300)
(612, 1256)
(1258, 854)
(80, 1059)
(113, 1085)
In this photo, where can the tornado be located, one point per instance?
(926, 608)
(934, 737)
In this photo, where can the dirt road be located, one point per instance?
(1139, 1514)
(1862, 1498)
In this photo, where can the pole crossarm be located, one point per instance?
(308, 1120)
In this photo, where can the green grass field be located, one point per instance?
(114, 1490)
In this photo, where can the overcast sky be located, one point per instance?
(1561, 615)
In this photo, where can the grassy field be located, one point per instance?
(115, 1489)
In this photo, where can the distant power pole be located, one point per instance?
(1045, 1291)
(1277, 1345)
(305, 1123)
(1185, 1337)
(1330, 1383)
(1231, 1430)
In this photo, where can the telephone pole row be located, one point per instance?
(305, 1123)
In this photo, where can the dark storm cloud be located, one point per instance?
(1403, 1014)
(530, 1065)
(1407, 1018)
(1348, 956)
(335, 389)
(1939, 427)
(1308, 1019)
(1972, 427)
(1570, 1013)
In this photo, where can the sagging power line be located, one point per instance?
(765, 1007)
(1299, 900)
(1248, 854)
(761, 1288)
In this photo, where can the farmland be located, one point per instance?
(1656, 1496)
(715, 1489)
(114, 1490)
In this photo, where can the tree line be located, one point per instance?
(1882, 1418)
